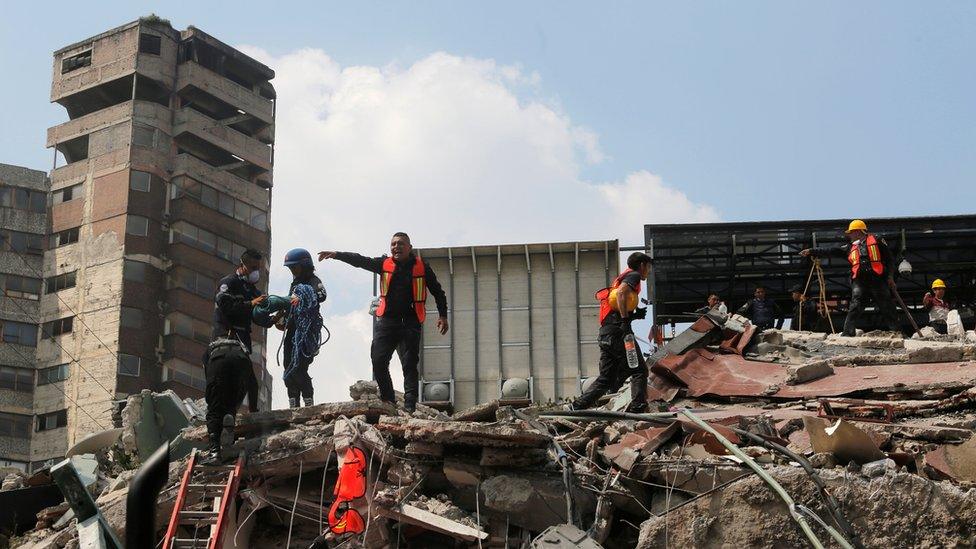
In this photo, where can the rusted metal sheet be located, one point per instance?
(956, 462)
(707, 374)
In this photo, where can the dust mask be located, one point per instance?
(253, 277)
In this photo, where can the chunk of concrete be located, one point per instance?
(802, 373)
(921, 351)
(868, 342)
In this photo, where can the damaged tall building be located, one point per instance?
(161, 178)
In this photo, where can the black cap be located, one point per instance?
(798, 289)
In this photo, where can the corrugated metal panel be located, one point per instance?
(517, 311)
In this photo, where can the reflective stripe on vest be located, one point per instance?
(874, 256)
(418, 287)
(603, 296)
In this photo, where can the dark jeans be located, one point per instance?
(298, 383)
(614, 369)
(879, 291)
(401, 335)
(225, 370)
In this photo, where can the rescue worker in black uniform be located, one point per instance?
(809, 319)
(227, 361)
(299, 383)
(400, 312)
(618, 308)
(762, 311)
(872, 272)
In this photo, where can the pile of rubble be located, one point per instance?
(870, 436)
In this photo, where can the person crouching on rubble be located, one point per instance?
(934, 302)
(618, 308)
(302, 326)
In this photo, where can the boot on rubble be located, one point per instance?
(293, 402)
(227, 434)
(307, 401)
(212, 455)
(637, 408)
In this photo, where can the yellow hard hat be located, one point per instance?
(857, 225)
(937, 283)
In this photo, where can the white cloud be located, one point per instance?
(453, 150)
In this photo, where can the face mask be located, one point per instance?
(253, 277)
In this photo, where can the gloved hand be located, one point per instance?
(639, 314)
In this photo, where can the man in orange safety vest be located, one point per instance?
(872, 272)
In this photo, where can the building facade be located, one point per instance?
(162, 177)
(23, 225)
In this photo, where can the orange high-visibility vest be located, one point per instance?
(874, 256)
(603, 296)
(419, 287)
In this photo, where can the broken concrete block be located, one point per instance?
(844, 440)
(921, 351)
(877, 468)
(925, 332)
(823, 460)
(954, 326)
(869, 342)
(802, 373)
(774, 337)
(512, 457)
(463, 433)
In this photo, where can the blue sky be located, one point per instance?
(764, 110)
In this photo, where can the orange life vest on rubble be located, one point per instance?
(608, 296)
(874, 256)
(418, 286)
(350, 485)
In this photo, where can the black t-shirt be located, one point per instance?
(632, 279)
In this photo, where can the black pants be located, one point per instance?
(879, 291)
(225, 369)
(298, 382)
(403, 336)
(614, 369)
(249, 389)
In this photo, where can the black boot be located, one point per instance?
(637, 408)
(212, 454)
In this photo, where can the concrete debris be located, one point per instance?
(885, 422)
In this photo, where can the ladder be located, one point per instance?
(202, 503)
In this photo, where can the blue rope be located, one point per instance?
(307, 323)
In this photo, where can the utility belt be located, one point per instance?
(227, 348)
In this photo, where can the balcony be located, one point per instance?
(194, 168)
(229, 140)
(89, 123)
(192, 79)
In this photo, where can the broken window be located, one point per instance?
(53, 374)
(69, 236)
(129, 365)
(134, 271)
(66, 194)
(130, 317)
(53, 420)
(19, 333)
(143, 136)
(20, 286)
(139, 181)
(23, 199)
(17, 241)
(76, 61)
(137, 225)
(59, 326)
(17, 379)
(150, 43)
(14, 425)
(62, 281)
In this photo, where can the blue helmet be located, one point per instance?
(298, 256)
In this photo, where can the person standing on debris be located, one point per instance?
(872, 272)
(618, 308)
(934, 302)
(762, 311)
(809, 317)
(237, 295)
(714, 303)
(400, 311)
(297, 380)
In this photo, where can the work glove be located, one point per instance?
(639, 314)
